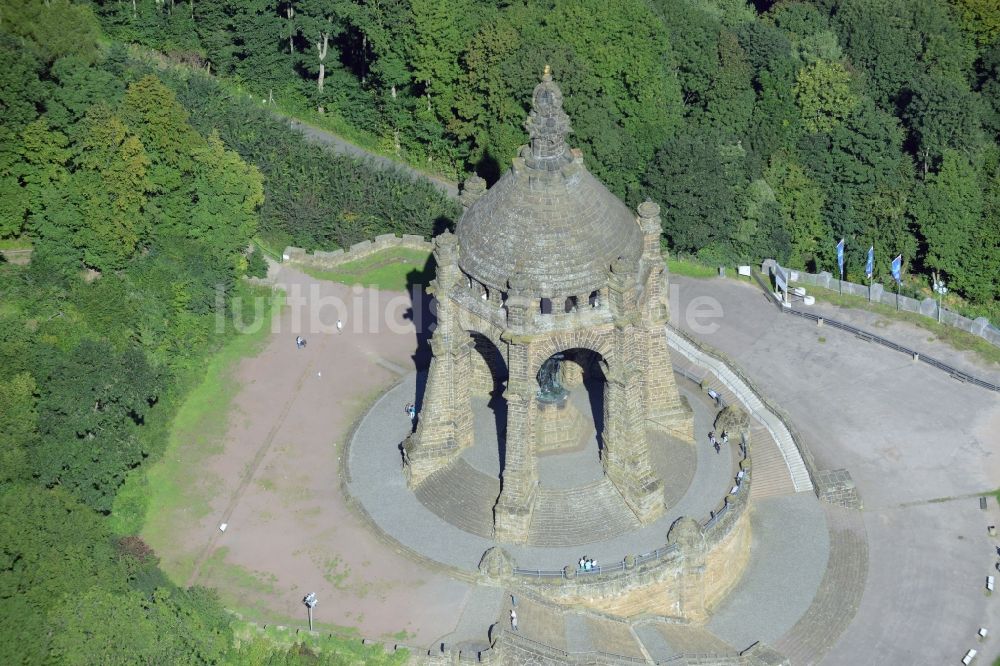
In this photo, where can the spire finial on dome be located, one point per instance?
(547, 125)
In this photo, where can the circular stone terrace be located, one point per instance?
(578, 512)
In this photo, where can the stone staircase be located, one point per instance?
(659, 636)
(613, 637)
(769, 474)
(577, 516)
(462, 496)
(734, 389)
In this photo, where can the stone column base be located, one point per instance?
(678, 422)
(420, 462)
(511, 522)
(642, 494)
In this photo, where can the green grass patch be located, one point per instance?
(175, 489)
(955, 337)
(344, 650)
(394, 269)
(20, 243)
(233, 579)
(691, 269)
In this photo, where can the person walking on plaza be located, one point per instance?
(513, 619)
(340, 326)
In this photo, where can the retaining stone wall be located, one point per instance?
(327, 260)
(927, 307)
(655, 587)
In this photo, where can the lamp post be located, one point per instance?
(941, 289)
(310, 601)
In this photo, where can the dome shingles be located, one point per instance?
(547, 217)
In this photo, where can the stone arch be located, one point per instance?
(488, 369)
(583, 373)
(488, 374)
(597, 344)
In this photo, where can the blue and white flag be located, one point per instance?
(897, 266)
(840, 257)
(870, 264)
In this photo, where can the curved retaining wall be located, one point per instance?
(321, 259)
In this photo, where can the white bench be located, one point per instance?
(989, 583)
(969, 656)
(983, 631)
(735, 490)
(739, 477)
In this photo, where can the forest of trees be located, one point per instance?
(763, 129)
(139, 193)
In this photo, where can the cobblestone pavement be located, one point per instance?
(909, 435)
(787, 563)
(839, 593)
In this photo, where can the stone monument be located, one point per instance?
(549, 277)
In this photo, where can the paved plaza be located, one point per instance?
(900, 582)
(919, 445)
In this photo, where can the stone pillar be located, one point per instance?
(512, 513)
(473, 188)
(665, 410)
(621, 289)
(519, 482)
(649, 222)
(626, 446)
(626, 454)
(444, 427)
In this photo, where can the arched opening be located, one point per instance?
(487, 381)
(569, 421)
(570, 305)
(546, 306)
(595, 299)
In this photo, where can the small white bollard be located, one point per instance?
(223, 526)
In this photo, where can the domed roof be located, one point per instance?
(547, 219)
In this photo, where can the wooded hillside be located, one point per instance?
(764, 129)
